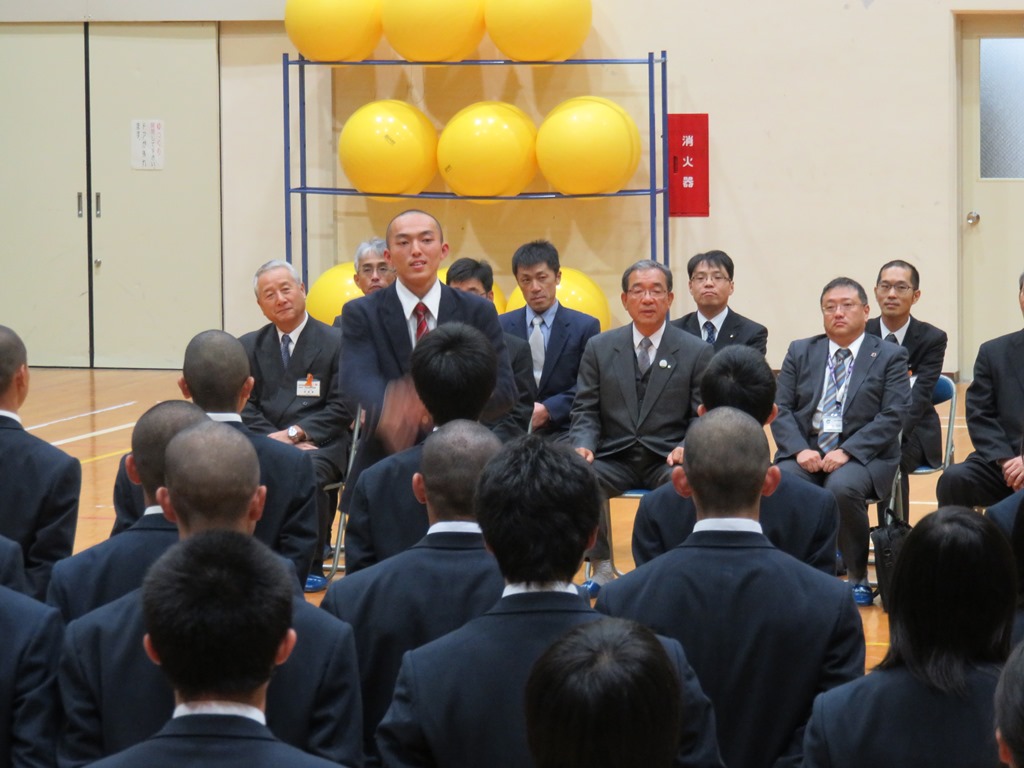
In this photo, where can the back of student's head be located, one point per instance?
(726, 460)
(153, 431)
(12, 356)
(454, 369)
(1009, 706)
(739, 377)
(211, 473)
(453, 458)
(537, 504)
(216, 608)
(215, 369)
(952, 601)
(604, 696)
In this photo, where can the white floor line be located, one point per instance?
(93, 434)
(81, 415)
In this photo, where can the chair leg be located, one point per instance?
(339, 548)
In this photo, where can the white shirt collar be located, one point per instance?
(854, 347)
(225, 417)
(409, 300)
(654, 337)
(12, 415)
(718, 320)
(293, 335)
(156, 509)
(519, 588)
(220, 708)
(454, 526)
(728, 524)
(900, 333)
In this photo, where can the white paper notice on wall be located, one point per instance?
(147, 145)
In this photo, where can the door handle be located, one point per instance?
(99, 211)
(80, 196)
(973, 218)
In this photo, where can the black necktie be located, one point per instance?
(286, 354)
(892, 337)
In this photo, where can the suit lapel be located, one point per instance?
(865, 359)
(269, 356)
(394, 326)
(306, 351)
(660, 375)
(556, 343)
(625, 371)
(728, 332)
(1017, 344)
(817, 357)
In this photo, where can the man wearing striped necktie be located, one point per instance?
(843, 397)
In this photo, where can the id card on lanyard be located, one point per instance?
(833, 422)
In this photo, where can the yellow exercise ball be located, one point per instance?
(499, 297)
(433, 30)
(334, 30)
(576, 291)
(588, 145)
(331, 291)
(388, 146)
(488, 149)
(538, 30)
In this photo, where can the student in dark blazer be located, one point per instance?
(39, 484)
(436, 586)
(711, 284)
(844, 436)
(114, 698)
(477, 277)
(381, 329)
(1009, 715)
(217, 648)
(995, 422)
(538, 506)
(564, 334)
(106, 571)
(929, 701)
(739, 606)
(897, 289)
(215, 375)
(453, 371)
(29, 702)
(799, 518)
(12, 566)
(295, 397)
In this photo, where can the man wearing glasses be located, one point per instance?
(711, 286)
(897, 289)
(372, 270)
(637, 393)
(843, 397)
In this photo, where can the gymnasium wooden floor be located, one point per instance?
(90, 415)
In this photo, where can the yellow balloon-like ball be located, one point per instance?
(576, 291)
(538, 30)
(433, 30)
(499, 297)
(388, 146)
(488, 149)
(588, 145)
(330, 293)
(333, 30)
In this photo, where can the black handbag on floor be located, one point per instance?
(888, 538)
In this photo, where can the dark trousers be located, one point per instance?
(972, 483)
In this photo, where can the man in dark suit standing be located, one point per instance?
(843, 397)
(217, 648)
(799, 518)
(431, 589)
(638, 392)
(295, 398)
(106, 571)
(711, 284)
(739, 606)
(477, 277)
(39, 484)
(995, 422)
(453, 370)
(563, 335)
(113, 697)
(29, 700)
(215, 375)
(380, 331)
(897, 289)
(538, 507)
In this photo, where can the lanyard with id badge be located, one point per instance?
(832, 417)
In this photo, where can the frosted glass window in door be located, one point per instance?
(1002, 108)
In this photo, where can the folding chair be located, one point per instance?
(339, 547)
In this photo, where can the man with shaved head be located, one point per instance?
(738, 605)
(114, 697)
(215, 374)
(115, 567)
(431, 589)
(39, 484)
